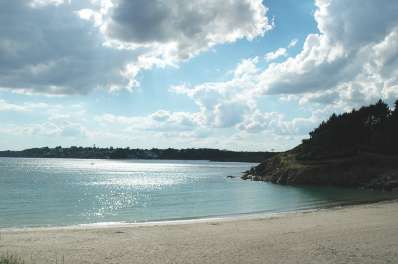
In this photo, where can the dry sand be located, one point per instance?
(354, 234)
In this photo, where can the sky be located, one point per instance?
(246, 75)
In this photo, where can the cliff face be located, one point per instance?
(361, 170)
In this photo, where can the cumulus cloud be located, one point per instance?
(188, 26)
(224, 104)
(351, 61)
(273, 55)
(279, 124)
(354, 50)
(281, 52)
(175, 31)
(259, 121)
(73, 47)
(160, 121)
(49, 49)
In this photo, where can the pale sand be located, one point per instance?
(355, 234)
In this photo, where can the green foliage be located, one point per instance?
(372, 128)
(10, 259)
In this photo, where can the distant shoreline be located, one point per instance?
(134, 154)
(101, 159)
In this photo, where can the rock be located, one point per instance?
(364, 170)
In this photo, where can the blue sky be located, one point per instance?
(237, 74)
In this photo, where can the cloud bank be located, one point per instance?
(64, 47)
(352, 61)
(74, 47)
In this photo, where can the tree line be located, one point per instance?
(372, 128)
(128, 153)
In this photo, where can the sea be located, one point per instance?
(67, 192)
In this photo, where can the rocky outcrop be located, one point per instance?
(361, 170)
(353, 149)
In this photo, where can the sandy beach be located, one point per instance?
(354, 234)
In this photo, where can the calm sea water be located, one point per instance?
(58, 192)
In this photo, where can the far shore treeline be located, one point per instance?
(127, 153)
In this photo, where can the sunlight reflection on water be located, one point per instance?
(42, 192)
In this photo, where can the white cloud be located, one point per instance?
(273, 55)
(292, 43)
(259, 122)
(50, 50)
(277, 124)
(341, 55)
(26, 106)
(281, 52)
(160, 121)
(351, 62)
(48, 129)
(186, 27)
(42, 3)
(224, 104)
(60, 120)
(5, 106)
(74, 47)
(175, 31)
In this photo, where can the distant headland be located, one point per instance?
(127, 153)
(355, 149)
